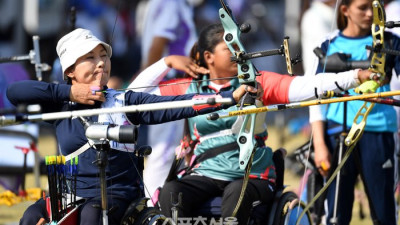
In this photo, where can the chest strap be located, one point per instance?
(81, 150)
(220, 133)
(179, 168)
(214, 152)
(219, 150)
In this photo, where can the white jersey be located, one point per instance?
(116, 99)
(173, 20)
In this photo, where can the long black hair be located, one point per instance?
(209, 37)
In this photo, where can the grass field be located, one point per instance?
(10, 215)
(47, 145)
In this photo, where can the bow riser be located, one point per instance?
(357, 129)
(247, 75)
(377, 66)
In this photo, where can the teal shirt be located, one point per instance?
(225, 166)
(382, 118)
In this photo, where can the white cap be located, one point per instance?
(76, 44)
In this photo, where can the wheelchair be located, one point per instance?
(137, 213)
(283, 210)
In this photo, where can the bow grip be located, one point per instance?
(248, 99)
(367, 87)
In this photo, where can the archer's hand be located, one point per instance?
(85, 94)
(366, 75)
(41, 221)
(369, 82)
(238, 93)
(185, 64)
(322, 158)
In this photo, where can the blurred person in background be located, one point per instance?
(168, 29)
(316, 23)
(373, 156)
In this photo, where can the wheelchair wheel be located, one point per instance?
(287, 212)
(151, 216)
(139, 214)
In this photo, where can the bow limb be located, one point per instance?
(246, 70)
(247, 75)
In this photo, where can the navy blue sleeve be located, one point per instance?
(166, 115)
(392, 61)
(49, 96)
(324, 47)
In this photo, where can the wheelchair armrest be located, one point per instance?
(278, 159)
(144, 150)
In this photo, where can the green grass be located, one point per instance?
(12, 214)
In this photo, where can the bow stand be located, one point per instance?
(100, 135)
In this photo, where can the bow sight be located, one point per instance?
(283, 50)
